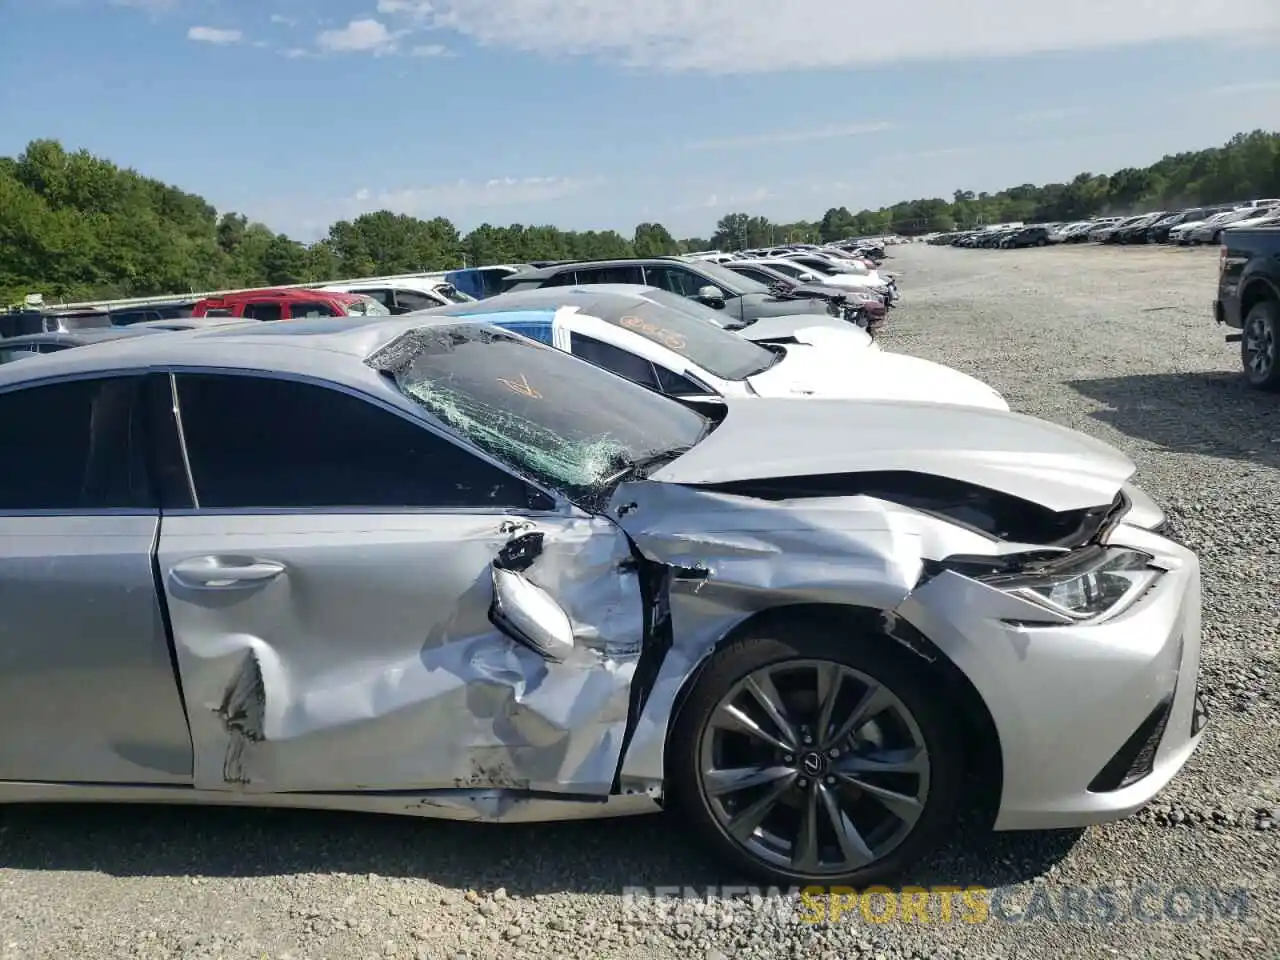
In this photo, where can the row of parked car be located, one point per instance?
(832, 280)
(586, 547)
(1192, 226)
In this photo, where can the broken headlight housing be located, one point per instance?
(1098, 583)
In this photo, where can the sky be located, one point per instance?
(600, 114)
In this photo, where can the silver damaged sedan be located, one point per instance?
(430, 567)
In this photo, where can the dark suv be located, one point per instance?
(744, 299)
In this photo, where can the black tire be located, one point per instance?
(1260, 346)
(775, 643)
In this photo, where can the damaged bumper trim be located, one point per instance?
(477, 806)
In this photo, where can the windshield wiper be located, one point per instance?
(639, 468)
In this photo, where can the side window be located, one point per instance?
(17, 353)
(611, 275)
(384, 297)
(411, 300)
(304, 311)
(259, 442)
(73, 446)
(677, 280)
(635, 368)
(262, 311)
(756, 275)
(676, 385)
(565, 278)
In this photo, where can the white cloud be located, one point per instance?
(360, 36)
(792, 136)
(281, 19)
(215, 36)
(419, 9)
(753, 36)
(431, 50)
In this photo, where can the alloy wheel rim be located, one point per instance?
(813, 767)
(1260, 347)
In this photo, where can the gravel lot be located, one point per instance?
(1118, 343)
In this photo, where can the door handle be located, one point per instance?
(224, 572)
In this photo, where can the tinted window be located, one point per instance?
(635, 368)
(491, 281)
(568, 423)
(261, 442)
(758, 275)
(384, 297)
(72, 446)
(18, 353)
(263, 311)
(564, 278)
(610, 275)
(788, 268)
(678, 280)
(413, 300)
(303, 311)
(677, 386)
(728, 281)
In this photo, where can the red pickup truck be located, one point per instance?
(289, 304)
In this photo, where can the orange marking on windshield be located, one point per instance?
(668, 338)
(521, 387)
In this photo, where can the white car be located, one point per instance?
(805, 273)
(404, 294)
(1199, 231)
(678, 354)
(1261, 216)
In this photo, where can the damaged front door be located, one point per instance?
(332, 598)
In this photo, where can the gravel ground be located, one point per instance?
(1118, 343)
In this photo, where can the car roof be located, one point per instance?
(290, 293)
(76, 337)
(322, 347)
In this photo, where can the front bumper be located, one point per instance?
(1079, 709)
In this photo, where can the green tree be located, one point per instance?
(75, 226)
(653, 240)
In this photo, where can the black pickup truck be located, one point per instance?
(1249, 300)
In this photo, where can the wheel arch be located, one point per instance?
(984, 759)
(1255, 290)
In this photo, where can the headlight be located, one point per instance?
(1097, 584)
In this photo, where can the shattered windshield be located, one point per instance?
(560, 421)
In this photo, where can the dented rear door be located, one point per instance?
(330, 597)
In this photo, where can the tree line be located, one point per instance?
(77, 227)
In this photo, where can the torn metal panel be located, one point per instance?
(370, 662)
(732, 556)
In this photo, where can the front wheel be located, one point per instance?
(1259, 345)
(807, 755)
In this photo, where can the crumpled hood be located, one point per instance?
(1024, 457)
(808, 371)
(810, 329)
